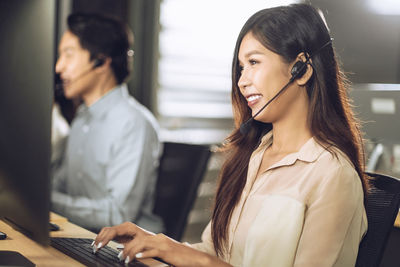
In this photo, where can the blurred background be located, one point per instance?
(182, 61)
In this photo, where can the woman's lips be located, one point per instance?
(253, 99)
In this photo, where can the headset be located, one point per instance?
(298, 70)
(300, 67)
(98, 62)
(59, 91)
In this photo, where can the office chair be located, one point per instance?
(382, 208)
(181, 170)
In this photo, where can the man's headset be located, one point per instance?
(59, 91)
(98, 62)
(297, 71)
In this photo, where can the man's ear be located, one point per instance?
(101, 63)
(301, 81)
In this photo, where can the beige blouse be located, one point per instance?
(306, 210)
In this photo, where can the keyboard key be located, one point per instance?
(81, 250)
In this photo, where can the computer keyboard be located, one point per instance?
(81, 250)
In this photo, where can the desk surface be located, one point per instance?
(397, 222)
(49, 256)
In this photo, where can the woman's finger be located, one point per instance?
(102, 239)
(132, 248)
(150, 253)
(157, 244)
(125, 231)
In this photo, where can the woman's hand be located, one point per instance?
(169, 250)
(121, 233)
(139, 243)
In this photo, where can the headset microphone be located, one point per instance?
(297, 71)
(245, 127)
(59, 91)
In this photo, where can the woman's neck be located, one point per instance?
(290, 135)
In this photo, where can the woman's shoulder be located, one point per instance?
(335, 157)
(334, 163)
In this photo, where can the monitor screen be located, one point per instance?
(27, 50)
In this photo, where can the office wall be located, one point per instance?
(368, 43)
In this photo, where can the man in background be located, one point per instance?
(109, 170)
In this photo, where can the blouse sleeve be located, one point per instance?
(206, 245)
(334, 221)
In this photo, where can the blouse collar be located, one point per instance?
(309, 152)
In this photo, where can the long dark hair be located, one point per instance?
(287, 31)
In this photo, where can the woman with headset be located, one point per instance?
(292, 189)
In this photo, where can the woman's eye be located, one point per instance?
(252, 62)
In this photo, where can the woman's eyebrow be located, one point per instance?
(253, 52)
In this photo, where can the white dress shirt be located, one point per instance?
(109, 172)
(59, 134)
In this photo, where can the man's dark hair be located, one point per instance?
(103, 36)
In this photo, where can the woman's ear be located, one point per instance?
(301, 81)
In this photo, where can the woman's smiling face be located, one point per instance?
(263, 74)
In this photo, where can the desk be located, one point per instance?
(49, 256)
(397, 222)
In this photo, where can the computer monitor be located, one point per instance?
(27, 53)
(378, 107)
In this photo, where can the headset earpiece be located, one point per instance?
(298, 69)
(98, 62)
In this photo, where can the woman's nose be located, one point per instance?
(244, 81)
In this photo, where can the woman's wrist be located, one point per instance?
(210, 260)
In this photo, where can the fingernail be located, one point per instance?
(120, 257)
(139, 255)
(99, 245)
(92, 244)
(94, 250)
(127, 260)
